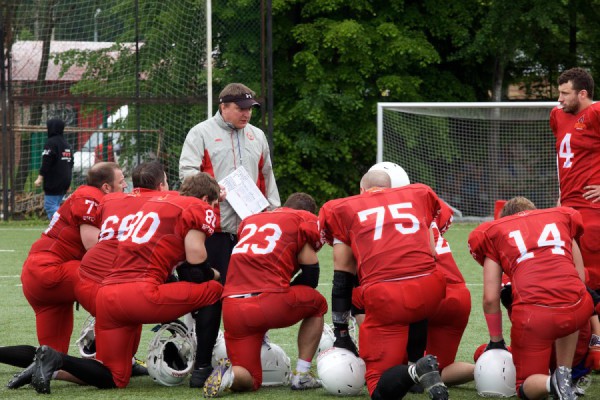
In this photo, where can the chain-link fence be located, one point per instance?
(129, 77)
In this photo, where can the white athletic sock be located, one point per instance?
(303, 366)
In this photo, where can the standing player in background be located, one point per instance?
(259, 296)
(538, 250)
(383, 235)
(576, 127)
(218, 146)
(169, 232)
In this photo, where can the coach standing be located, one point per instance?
(219, 146)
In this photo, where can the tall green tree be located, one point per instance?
(334, 60)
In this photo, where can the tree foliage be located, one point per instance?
(339, 59)
(334, 60)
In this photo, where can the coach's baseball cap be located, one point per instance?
(245, 100)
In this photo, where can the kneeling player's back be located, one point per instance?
(155, 242)
(534, 247)
(266, 256)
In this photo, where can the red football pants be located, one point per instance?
(446, 327)
(85, 293)
(48, 286)
(590, 245)
(390, 307)
(246, 320)
(123, 308)
(534, 330)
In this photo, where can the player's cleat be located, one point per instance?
(199, 376)
(219, 380)
(47, 360)
(426, 372)
(304, 380)
(561, 385)
(139, 368)
(23, 378)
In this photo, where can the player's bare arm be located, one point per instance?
(89, 235)
(343, 258)
(578, 261)
(492, 281)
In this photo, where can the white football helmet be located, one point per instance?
(171, 354)
(398, 176)
(276, 366)
(341, 372)
(219, 351)
(495, 374)
(87, 339)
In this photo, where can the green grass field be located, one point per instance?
(17, 326)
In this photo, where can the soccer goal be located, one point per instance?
(473, 154)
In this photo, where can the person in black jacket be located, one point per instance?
(57, 167)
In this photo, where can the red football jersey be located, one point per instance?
(324, 215)
(578, 152)
(445, 260)
(266, 255)
(534, 248)
(62, 237)
(117, 215)
(388, 230)
(153, 244)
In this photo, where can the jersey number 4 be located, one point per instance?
(564, 152)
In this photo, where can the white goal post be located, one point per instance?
(473, 154)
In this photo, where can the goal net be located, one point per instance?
(473, 154)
